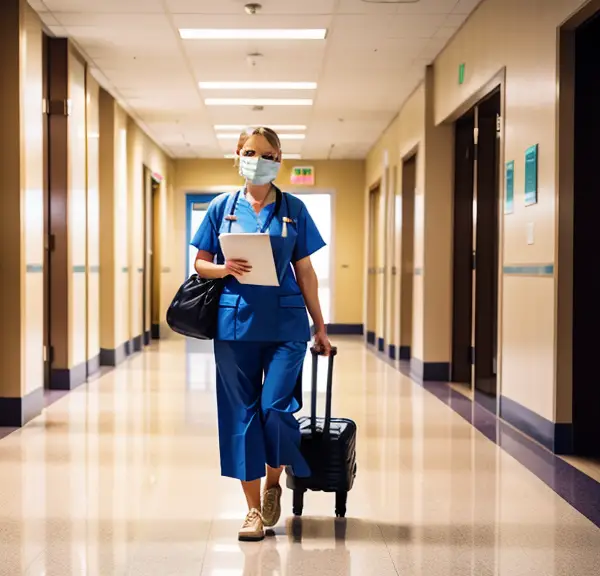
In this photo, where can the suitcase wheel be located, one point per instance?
(298, 502)
(340, 504)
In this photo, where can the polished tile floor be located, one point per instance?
(121, 477)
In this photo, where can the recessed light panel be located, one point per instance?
(258, 102)
(252, 34)
(258, 85)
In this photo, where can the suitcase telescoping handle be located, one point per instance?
(313, 392)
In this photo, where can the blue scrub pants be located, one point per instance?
(256, 422)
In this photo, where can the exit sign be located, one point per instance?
(461, 74)
(303, 175)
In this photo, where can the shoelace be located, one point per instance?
(252, 516)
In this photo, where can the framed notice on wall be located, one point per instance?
(509, 198)
(303, 175)
(531, 175)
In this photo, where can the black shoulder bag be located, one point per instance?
(195, 308)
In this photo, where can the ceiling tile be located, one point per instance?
(106, 6)
(372, 59)
(269, 7)
(243, 21)
(466, 6)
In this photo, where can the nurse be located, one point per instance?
(262, 331)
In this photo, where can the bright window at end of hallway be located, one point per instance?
(319, 207)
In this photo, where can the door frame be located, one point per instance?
(497, 81)
(564, 219)
(412, 155)
(371, 245)
(192, 198)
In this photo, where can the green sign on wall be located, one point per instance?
(509, 199)
(461, 73)
(531, 175)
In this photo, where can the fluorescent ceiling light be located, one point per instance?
(241, 127)
(235, 136)
(258, 85)
(252, 34)
(258, 102)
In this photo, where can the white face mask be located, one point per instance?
(257, 170)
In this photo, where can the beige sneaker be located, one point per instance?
(253, 529)
(271, 506)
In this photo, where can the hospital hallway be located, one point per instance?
(121, 476)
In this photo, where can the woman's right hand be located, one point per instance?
(237, 268)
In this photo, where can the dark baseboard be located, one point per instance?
(68, 378)
(392, 351)
(113, 357)
(404, 352)
(16, 412)
(345, 329)
(429, 371)
(136, 343)
(557, 438)
(155, 332)
(93, 365)
(488, 401)
(147, 338)
(128, 348)
(381, 344)
(371, 338)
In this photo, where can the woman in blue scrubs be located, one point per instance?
(262, 331)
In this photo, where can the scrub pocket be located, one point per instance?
(228, 307)
(293, 319)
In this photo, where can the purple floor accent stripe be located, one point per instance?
(574, 486)
(4, 432)
(52, 396)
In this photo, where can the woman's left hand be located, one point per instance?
(322, 343)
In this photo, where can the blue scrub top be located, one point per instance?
(262, 313)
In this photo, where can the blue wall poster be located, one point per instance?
(509, 199)
(531, 175)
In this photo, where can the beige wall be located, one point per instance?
(93, 217)
(345, 177)
(530, 57)
(520, 37)
(32, 214)
(143, 152)
(21, 189)
(402, 138)
(124, 151)
(77, 212)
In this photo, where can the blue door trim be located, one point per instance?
(189, 200)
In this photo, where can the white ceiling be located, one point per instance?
(374, 56)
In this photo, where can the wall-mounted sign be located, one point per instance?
(461, 73)
(531, 175)
(509, 199)
(303, 175)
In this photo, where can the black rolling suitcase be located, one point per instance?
(329, 447)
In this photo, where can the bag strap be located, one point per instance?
(329, 393)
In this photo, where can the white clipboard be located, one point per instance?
(256, 250)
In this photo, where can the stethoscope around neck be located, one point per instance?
(279, 198)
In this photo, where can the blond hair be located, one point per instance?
(268, 133)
